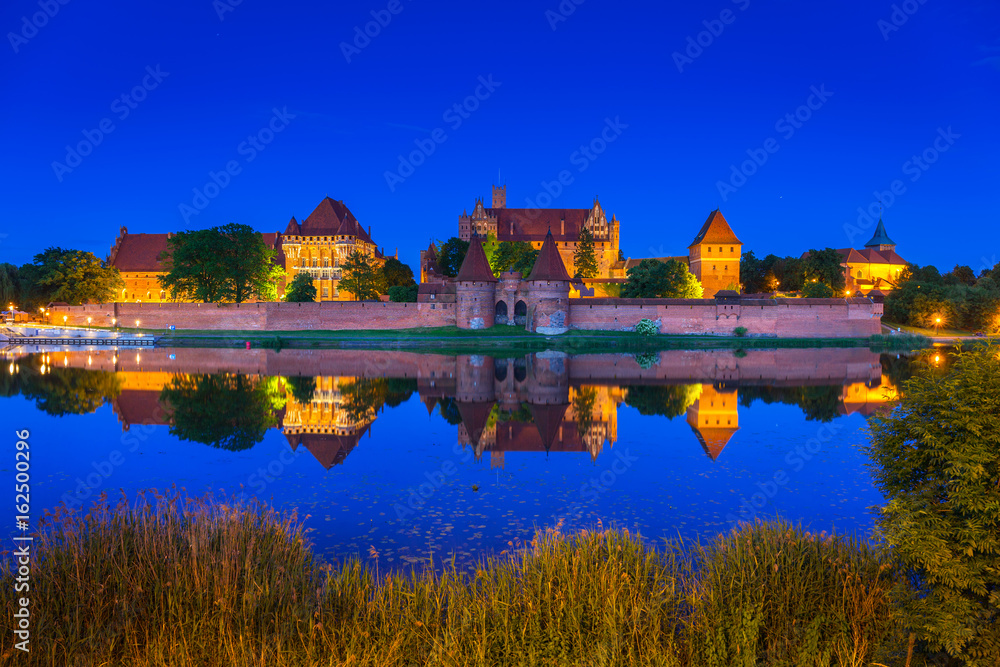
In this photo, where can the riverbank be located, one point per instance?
(181, 581)
(445, 340)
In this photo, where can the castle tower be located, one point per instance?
(480, 223)
(500, 196)
(714, 256)
(475, 289)
(881, 241)
(714, 419)
(548, 291)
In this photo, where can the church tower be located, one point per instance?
(500, 196)
(881, 241)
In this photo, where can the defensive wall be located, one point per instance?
(780, 318)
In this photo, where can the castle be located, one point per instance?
(318, 246)
(713, 257)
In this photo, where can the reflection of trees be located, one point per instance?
(227, 411)
(817, 403)
(62, 391)
(583, 409)
(937, 459)
(363, 398)
(303, 388)
(666, 400)
(449, 411)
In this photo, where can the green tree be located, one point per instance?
(654, 279)
(824, 266)
(584, 258)
(403, 294)
(451, 255)
(753, 273)
(362, 277)
(817, 290)
(397, 274)
(961, 275)
(583, 409)
(514, 256)
(230, 412)
(196, 270)
(227, 263)
(301, 289)
(936, 457)
(490, 248)
(248, 264)
(10, 286)
(75, 277)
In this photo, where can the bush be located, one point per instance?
(647, 327)
(403, 293)
(740, 331)
(937, 460)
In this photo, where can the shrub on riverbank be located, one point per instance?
(176, 581)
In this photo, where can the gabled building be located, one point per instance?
(320, 244)
(874, 267)
(532, 224)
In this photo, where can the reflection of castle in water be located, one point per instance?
(547, 402)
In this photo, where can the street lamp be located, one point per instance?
(937, 325)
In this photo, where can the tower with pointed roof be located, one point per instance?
(320, 244)
(714, 418)
(714, 256)
(475, 289)
(546, 290)
(880, 240)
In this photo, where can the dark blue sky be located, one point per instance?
(889, 92)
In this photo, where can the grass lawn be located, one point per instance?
(930, 333)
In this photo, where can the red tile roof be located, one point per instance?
(475, 266)
(332, 218)
(549, 265)
(293, 228)
(327, 448)
(139, 252)
(548, 419)
(715, 230)
(530, 224)
(475, 417)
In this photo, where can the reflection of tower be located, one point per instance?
(475, 397)
(322, 425)
(714, 419)
(601, 424)
(868, 397)
(548, 378)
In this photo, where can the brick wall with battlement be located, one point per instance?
(781, 318)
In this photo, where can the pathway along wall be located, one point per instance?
(782, 318)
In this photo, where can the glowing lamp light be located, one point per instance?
(64, 319)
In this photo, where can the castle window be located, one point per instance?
(713, 267)
(326, 292)
(710, 248)
(730, 249)
(725, 267)
(720, 249)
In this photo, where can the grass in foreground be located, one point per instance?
(194, 582)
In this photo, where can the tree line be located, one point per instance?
(958, 299)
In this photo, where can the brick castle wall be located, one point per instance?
(784, 318)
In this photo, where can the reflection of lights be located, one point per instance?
(11, 369)
(136, 357)
(64, 319)
(937, 358)
(90, 361)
